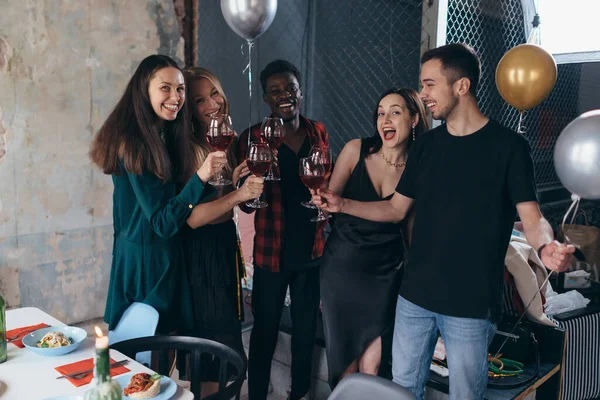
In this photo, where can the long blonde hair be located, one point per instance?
(201, 147)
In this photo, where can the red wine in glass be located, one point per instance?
(258, 168)
(312, 174)
(220, 135)
(312, 182)
(220, 142)
(321, 154)
(258, 161)
(271, 131)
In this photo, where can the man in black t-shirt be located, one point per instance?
(466, 178)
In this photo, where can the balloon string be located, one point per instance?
(575, 204)
(520, 126)
(248, 70)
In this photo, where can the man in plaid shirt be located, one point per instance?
(286, 244)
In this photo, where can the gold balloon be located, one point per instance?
(525, 76)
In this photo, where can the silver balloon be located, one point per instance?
(577, 156)
(249, 18)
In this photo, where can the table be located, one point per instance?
(29, 376)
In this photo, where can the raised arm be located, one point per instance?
(166, 218)
(555, 256)
(393, 210)
(344, 165)
(209, 212)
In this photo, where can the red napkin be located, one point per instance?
(84, 365)
(22, 332)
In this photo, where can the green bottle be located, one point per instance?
(103, 387)
(2, 330)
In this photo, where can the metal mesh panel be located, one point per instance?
(493, 27)
(362, 49)
(545, 123)
(348, 53)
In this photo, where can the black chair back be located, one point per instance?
(229, 358)
(361, 386)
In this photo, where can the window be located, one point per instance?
(570, 29)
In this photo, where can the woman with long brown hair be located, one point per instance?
(145, 145)
(360, 273)
(214, 261)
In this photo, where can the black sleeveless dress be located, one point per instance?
(360, 277)
(214, 269)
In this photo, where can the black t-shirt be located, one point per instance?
(299, 232)
(465, 190)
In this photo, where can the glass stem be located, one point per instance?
(271, 165)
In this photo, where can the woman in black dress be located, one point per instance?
(360, 272)
(215, 265)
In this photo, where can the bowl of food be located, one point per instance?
(54, 340)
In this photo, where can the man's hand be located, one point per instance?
(327, 200)
(557, 256)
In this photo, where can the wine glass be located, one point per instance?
(271, 131)
(258, 161)
(320, 151)
(220, 135)
(312, 174)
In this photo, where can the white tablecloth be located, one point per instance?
(29, 376)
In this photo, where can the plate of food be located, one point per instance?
(54, 340)
(146, 386)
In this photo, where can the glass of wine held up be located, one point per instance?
(324, 152)
(271, 131)
(312, 174)
(220, 136)
(258, 161)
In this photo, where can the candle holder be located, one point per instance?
(103, 387)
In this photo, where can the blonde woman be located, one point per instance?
(215, 266)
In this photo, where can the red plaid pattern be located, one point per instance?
(269, 222)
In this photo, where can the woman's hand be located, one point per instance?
(252, 188)
(214, 163)
(239, 172)
(327, 200)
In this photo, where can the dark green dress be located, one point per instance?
(148, 262)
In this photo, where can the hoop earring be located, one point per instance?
(414, 137)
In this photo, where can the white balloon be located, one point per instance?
(577, 156)
(249, 18)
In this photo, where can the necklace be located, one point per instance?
(388, 162)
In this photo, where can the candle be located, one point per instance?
(101, 340)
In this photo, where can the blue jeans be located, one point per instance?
(466, 341)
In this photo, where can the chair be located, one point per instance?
(138, 320)
(230, 360)
(361, 386)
